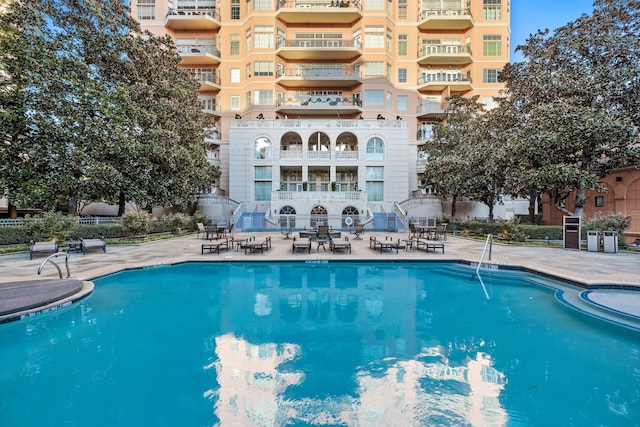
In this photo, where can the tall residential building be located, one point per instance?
(322, 107)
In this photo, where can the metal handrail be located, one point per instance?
(487, 244)
(49, 259)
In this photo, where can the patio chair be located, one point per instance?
(359, 230)
(413, 233)
(42, 247)
(441, 232)
(201, 230)
(90, 244)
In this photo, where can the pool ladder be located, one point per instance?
(487, 244)
(50, 259)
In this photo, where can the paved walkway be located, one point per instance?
(589, 268)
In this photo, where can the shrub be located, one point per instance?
(13, 235)
(512, 230)
(137, 224)
(177, 222)
(541, 232)
(50, 226)
(609, 222)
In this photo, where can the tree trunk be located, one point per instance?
(533, 197)
(581, 200)
(453, 206)
(121, 204)
(490, 212)
(73, 206)
(12, 210)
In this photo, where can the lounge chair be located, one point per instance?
(428, 244)
(257, 246)
(89, 244)
(217, 246)
(340, 245)
(298, 245)
(42, 247)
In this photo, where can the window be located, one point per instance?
(492, 45)
(402, 75)
(489, 102)
(247, 40)
(263, 68)
(373, 97)
(263, 37)
(403, 103)
(402, 9)
(262, 150)
(492, 10)
(263, 97)
(262, 183)
(374, 36)
(375, 149)
(375, 183)
(235, 75)
(235, 102)
(402, 45)
(235, 9)
(490, 75)
(374, 69)
(599, 201)
(262, 4)
(235, 44)
(262, 190)
(374, 4)
(146, 9)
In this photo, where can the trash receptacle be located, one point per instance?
(610, 241)
(593, 241)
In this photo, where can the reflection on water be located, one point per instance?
(342, 346)
(253, 383)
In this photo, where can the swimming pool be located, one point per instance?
(339, 343)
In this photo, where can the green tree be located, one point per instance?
(95, 109)
(447, 170)
(577, 98)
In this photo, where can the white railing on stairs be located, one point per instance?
(487, 244)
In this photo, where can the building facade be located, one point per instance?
(322, 107)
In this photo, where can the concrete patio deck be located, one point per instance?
(588, 268)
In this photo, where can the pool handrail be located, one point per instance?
(487, 243)
(49, 259)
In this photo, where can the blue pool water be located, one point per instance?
(329, 344)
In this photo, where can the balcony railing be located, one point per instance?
(318, 155)
(319, 195)
(346, 155)
(198, 48)
(444, 49)
(315, 124)
(321, 72)
(194, 12)
(318, 43)
(312, 4)
(290, 154)
(320, 101)
(427, 13)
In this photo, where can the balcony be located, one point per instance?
(198, 54)
(320, 196)
(209, 106)
(319, 105)
(319, 11)
(429, 110)
(197, 19)
(342, 124)
(208, 79)
(319, 75)
(318, 49)
(445, 19)
(451, 84)
(445, 55)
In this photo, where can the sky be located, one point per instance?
(528, 16)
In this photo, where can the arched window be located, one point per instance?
(350, 217)
(262, 148)
(318, 216)
(375, 149)
(287, 217)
